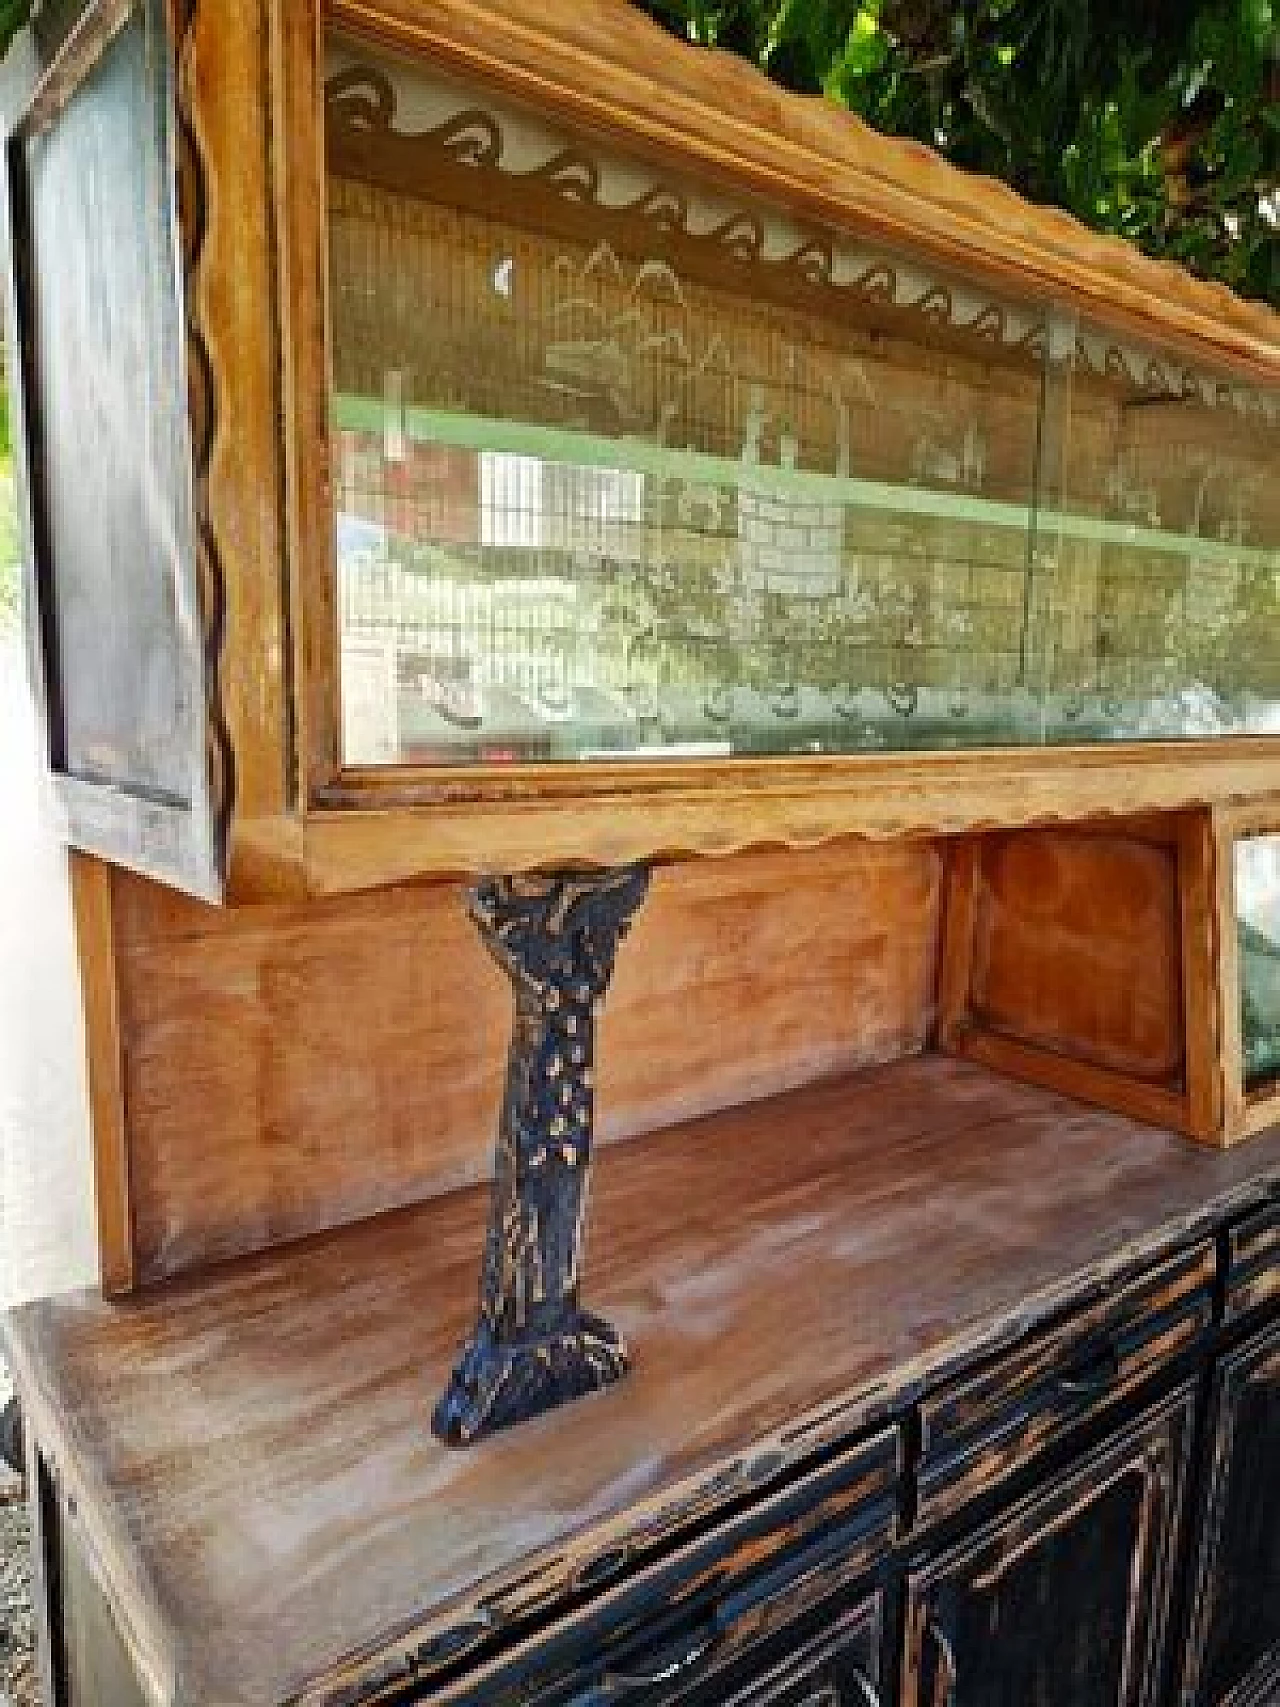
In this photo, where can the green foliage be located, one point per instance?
(1161, 124)
(14, 15)
(9, 569)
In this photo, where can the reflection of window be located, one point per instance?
(536, 505)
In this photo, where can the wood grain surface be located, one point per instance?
(1078, 948)
(249, 1453)
(286, 1069)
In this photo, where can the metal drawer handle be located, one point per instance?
(1091, 1374)
(622, 1683)
(945, 1673)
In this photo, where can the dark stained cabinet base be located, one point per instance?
(1233, 1657)
(1063, 1601)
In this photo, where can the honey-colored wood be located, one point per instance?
(379, 830)
(92, 904)
(298, 188)
(1197, 885)
(1081, 959)
(223, 74)
(959, 922)
(1077, 950)
(249, 1452)
(605, 68)
(288, 1068)
(253, 219)
(1073, 1077)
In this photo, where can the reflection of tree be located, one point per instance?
(1259, 1003)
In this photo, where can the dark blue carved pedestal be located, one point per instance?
(533, 1347)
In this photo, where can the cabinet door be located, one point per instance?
(114, 425)
(1063, 1600)
(1233, 1653)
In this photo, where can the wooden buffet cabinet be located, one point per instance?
(499, 481)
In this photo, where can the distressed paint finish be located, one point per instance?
(1232, 1655)
(294, 1386)
(980, 1429)
(1064, 1600)
(556, 938)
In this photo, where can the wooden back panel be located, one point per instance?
(1078, 948)
(265, 1073)
(1082, 958)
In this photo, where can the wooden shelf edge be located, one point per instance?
(1085, 1081)
(396, 828)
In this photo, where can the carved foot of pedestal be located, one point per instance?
(496, 1384)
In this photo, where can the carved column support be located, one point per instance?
(534, 1347)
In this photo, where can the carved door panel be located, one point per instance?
(1233, 1651)
(1063, 1600)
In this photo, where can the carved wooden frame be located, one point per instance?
(608, 70)
(291, 820)
(182, 842)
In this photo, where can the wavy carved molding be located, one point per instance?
(203, 416)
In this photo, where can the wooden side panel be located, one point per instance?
(290, 1068)
(91, 894)
(1077, 948)
(1089, 960)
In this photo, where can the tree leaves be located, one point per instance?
(14, 15)
(1164, 130)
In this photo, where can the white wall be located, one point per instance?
(47, 1235)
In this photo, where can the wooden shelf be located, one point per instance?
(249, 1452)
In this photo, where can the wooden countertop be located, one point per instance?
(249, 1451)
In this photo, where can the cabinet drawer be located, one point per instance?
(1253, 1263)
(837, 1665)
(725, 1601)
(983, 1426)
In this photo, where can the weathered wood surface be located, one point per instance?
(287, 1069)
(249, 1451)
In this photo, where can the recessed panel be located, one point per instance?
(108, 446)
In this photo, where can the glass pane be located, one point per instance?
(1158, 546)
(627, 466)
(1257, 885)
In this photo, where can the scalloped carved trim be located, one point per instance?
(202, 408)
(460, 162)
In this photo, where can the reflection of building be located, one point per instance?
(483, 570)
